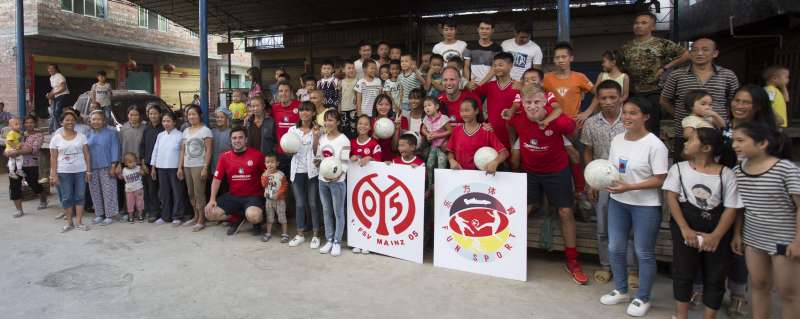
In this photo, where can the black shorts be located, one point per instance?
(31, 176)
(556, 186)
(233, 205)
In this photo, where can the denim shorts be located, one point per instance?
(71, 189)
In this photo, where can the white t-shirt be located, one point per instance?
(703, 189)
(360, 68)
(102, 93)
(56, 80)
(450, 50)
(369, 91)
(70, 153)
(338, 147)
(133, 178)
(194, 146)
(525, 56)
(636, 162)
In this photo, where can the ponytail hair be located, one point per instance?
(777, 142)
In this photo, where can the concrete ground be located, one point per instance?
(149, 271)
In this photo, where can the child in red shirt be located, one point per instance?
(383, 109)
(407, 145)
(364, 148)
(471, 136)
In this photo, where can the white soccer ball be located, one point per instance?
(384, 128)
(331, 168)
(484, 156)
(600, 174)
(290, 143)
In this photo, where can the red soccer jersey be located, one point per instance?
(498, 99)
(368, 148)
(285, 117)
(542, 151)
(386, 143)
(415, 161)
(454, 107)
(242, 172)
(464, 145)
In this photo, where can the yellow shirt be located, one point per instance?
(12, 140)
(238, 109)
(778, 102)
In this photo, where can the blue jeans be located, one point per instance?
(645, 222)
(305, 194)
(601, 209)
(71, 189)
(333, 199)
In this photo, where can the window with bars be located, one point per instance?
(92, 8)
(163, 24)
(152, 20)
(143, 17)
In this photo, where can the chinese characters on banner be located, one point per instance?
(386, 208)
(480, 222)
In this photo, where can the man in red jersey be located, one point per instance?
(241, 167)
(453, 95)
(545, 160)
(286, 113)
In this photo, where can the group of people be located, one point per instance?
(732, 192)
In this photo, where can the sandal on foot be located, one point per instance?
(602, 275)
(82, 227)
(266, 237)
(198, 227)
(67, 228)
(18, 214)
(284, 238)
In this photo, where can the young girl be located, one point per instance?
(303, 174)
(134, 188)
(364, 148)
(635, 205)
(702, 198)
(770, 190)
(333, 193)
(193, 162)
(417, 113)
(698, 104)
(470, 136)
(164, 169)
(436, 131)
(383, 109)
(612, 60)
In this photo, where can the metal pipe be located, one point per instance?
(21, 107)
(563, 20)
(203, 59)
(229, 95)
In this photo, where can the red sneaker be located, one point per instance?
(577, 274)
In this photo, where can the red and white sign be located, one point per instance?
(386, 207)
(480, 222)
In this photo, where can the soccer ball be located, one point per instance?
(600, 174)
(384, 128)
(331, 168)
(484, 156)
(290, 143)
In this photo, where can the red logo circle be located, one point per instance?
(389, 210)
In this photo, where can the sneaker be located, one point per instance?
(284, 238)
(42, 205)
(233, 228)
(160, 222)
(356, 250)
(266, 237)
(107, 221)
(176, 222)
(336, 250)
(130, 219)
(18, 214)
(314, 243)
(153, 219)
(327, 248)
(614, 297)
(638, 308)
(577, 274)
(97, 220)
(296, 241)
(365, 252)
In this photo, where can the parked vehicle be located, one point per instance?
(121, 100)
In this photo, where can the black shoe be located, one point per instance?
(130, 218)
(233, 227)
(256, 231)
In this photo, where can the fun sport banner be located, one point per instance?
(481, 224)
(386, 208)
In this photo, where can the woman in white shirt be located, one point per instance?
(164, 163)
(635, 205)
(303, 174)
(332, 193)
(193, 161)
(70, 169)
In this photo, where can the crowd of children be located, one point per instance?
(531, 118)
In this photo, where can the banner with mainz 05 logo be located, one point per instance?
(386, 209)
(480, 222)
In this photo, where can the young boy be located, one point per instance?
(238, 108)
(274, 183)
(777, 79)
(544, 159)
(433, 83)
(365, 54)
(329, 84)
(368, 88)
(449, 46)
(395, 53)
(409, 78)
(102, 92)
(499, 95)
(14, 142)
(425, 62)
(391, 86)
(347, 106)
(407, 146)
(309, 84)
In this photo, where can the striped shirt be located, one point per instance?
(598, 132)
(407, 83)
(722, 85)
(770, 217)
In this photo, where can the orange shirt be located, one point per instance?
(569, 91)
